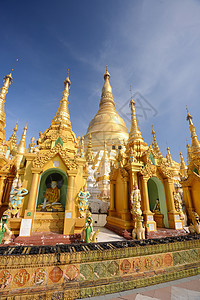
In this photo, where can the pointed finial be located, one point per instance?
(16, 129)
(189, 117)
(67, 81)
(153, 132)
(107, 74)
(132, 102)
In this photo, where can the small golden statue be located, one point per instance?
(31, 147)
(178, 203)
(51, 199)
(156, 208)
(83, 197)
(136, 202)
(16, 199)
(132, 156)
(138, 230)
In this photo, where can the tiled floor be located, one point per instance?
(106, 235)
(182, 289)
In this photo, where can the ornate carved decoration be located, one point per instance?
(147, 170)
(114, 172)
(148, 152)
(124, 174)
(42, 159)
(8, 166)
(165, 171)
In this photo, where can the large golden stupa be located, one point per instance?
(107, 125)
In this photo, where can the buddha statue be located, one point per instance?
(51, 201)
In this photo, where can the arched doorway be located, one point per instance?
(156, 191)
(45, 182)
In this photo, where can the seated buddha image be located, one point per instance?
(51, 199)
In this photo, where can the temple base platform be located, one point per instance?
(84, 270)
(159, 233)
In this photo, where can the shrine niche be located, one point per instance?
(52, 191)
(157, 201)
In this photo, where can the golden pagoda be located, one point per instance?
(107, 125)
(53, 175)
(191, 179)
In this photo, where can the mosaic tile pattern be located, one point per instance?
(97, 277)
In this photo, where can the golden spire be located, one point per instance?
(182, 163)
(155, 144)
(134, 134)
(169, 157)
(188, 154)
(13, 138)
(106, 95)
(21, 149)
(195, 145)
(89, 153)
(62, 117)
(3, 91)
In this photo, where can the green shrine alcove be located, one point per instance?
(156, 191)
(45, 182)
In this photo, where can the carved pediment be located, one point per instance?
(8, 166)
(163, 169)
(114, 172)
(148, 170)
(42, 158)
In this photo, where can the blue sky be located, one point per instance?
(154, 46)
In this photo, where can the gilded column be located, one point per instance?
(112, 197)
(188, 200)
(2, 184)
(32, 197)
(126, 215)
(125, 195)
(70, 218)
(145, 196)
(70, 194)
(8, 189)
(173, 216)
(169, 193)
